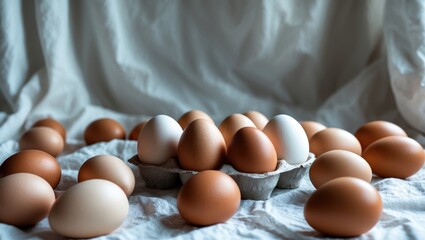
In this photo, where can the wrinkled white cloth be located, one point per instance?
(153, 213)
(342, 63)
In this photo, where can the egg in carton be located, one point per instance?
(252, 185)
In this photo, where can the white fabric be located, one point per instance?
(342, 63)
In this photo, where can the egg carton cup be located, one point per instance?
(252, 185)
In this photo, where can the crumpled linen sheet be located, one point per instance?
(153, 213)
(342, 63)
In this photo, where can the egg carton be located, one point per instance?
(252, 185)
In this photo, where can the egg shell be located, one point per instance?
(251, 151)
(312, 127)
(201, 146)
(89, 209)
(288, 138)
(252, 185)
(344, 207)
(25, 199)
(231, 124)
(52, 123)
(36, 162)
(134, 134)
(158, 140)
(257, 118)
(209, 197)
(109, 168)
(192, 115)
(395, 156)
(42, 138)
(103, 130)
(339, 163)
(375, 130)
(334, 139)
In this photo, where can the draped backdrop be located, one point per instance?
(342, 63)
(339, 62)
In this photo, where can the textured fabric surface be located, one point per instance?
(342, 63)
(153, 213)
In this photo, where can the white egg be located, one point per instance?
(89, 209)
(288, 138)
(158, 140)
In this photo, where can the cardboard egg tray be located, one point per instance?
(252, 186)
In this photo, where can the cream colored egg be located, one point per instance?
(110, 168)
(158, 140)
(288, 138)
(25, 199)
(89, 209)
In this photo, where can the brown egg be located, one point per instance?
(312, 127)
(201, 146)
(257, 118)
(36, 162)
(103, 130)
(338, 163)
(134, 134)
(189, 116)
(109, 168)
(231, 124)
(209, 197)
(25, 199)
(395, 156)
(44, 139)
(251, 151)
(52, 123)
(372, 131)
(333, 139)
(344, 207)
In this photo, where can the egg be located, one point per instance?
(25, 199)
(312, 127)
(288, 138)
(134, 134)
(109, 168)
(103, 130)
(231, 124)
(42, 138)
(208, 198)
(89, 209)
(191, 115)
(32, 161)
(251, 151)
(372, 131)
(344, 207)
(257, 118)
(395, 156)
(201, 146)
(333, 139)
(338, 163)
(158, 140)
(52, 123)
